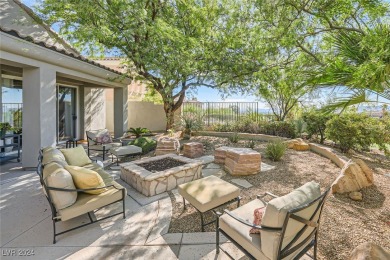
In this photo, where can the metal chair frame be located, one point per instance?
(57, 218)
(104, 150)
(289, 248)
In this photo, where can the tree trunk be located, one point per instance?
(170, 115)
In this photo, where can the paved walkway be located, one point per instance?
(25, 221)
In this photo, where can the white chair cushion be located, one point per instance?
(240, 232)
(125, 150)
(275, 215)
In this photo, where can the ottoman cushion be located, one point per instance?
(125, 150)
(207, 193)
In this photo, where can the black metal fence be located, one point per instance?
(12, 113)
(226, 112)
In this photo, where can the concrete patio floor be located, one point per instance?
(25, 222)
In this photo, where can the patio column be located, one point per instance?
(120, 111)
(39, 112)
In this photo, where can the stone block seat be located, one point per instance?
(238, 161)
(167, 145)
(152, 183)
(193, 150)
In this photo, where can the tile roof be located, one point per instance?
(54, 48)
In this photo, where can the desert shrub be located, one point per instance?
(191, 122)
(300, 126)
(278, 128)
(275, 150)
(223, 127)
(139, 131)
(250, 144)
(147, 144)
(352, 130)
(316, 123)
(234, 138)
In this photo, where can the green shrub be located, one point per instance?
(353, 130)
(147, 144)
(223, 127)
(300, 126)
(275, 150)
(250, 144)
(316, 123)
(278, 128)
(234, 138)
(139, 131)
(191, 122)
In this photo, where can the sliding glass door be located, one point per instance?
(66, 112)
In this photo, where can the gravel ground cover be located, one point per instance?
(345, 223)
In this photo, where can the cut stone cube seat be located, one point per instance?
(242, 161)
(193, 150)
(238, 161)
(220, 154)
(167, 146)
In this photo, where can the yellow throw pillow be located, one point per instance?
(76, 156)
(85, 179)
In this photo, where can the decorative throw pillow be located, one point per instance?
(76, 156)
(258, 215)
(86, 179)
(104, 138)
(60, 178)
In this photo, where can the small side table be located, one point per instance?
(72, 143)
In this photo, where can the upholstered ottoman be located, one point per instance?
(193, 150)
(125, 151)
(209, 193)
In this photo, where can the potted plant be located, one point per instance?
(4, 129)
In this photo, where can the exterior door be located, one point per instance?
(66, 113)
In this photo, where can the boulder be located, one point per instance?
(356, 195)
(291, 143)
(353, 177)
(301, 146)
(369, 251)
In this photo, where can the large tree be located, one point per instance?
(170, 45)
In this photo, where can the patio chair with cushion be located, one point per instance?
(74, 186)
(101, 141)
(288, 229)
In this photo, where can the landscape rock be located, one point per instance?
(167, 145)
(356, 195)
(301, 146)
(369, 251)
(193, 150)
(353, 177)
(291, 143)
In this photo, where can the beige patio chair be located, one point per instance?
(289, 227)
(95, 145)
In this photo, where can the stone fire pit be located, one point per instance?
(151, 183)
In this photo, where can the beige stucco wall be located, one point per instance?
(95, 108)
(146, 114)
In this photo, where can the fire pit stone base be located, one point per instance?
(153, 183)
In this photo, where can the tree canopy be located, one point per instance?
(274, 47)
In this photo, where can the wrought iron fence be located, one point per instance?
(12, 113)
(226, 112)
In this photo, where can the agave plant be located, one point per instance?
(139, 131)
